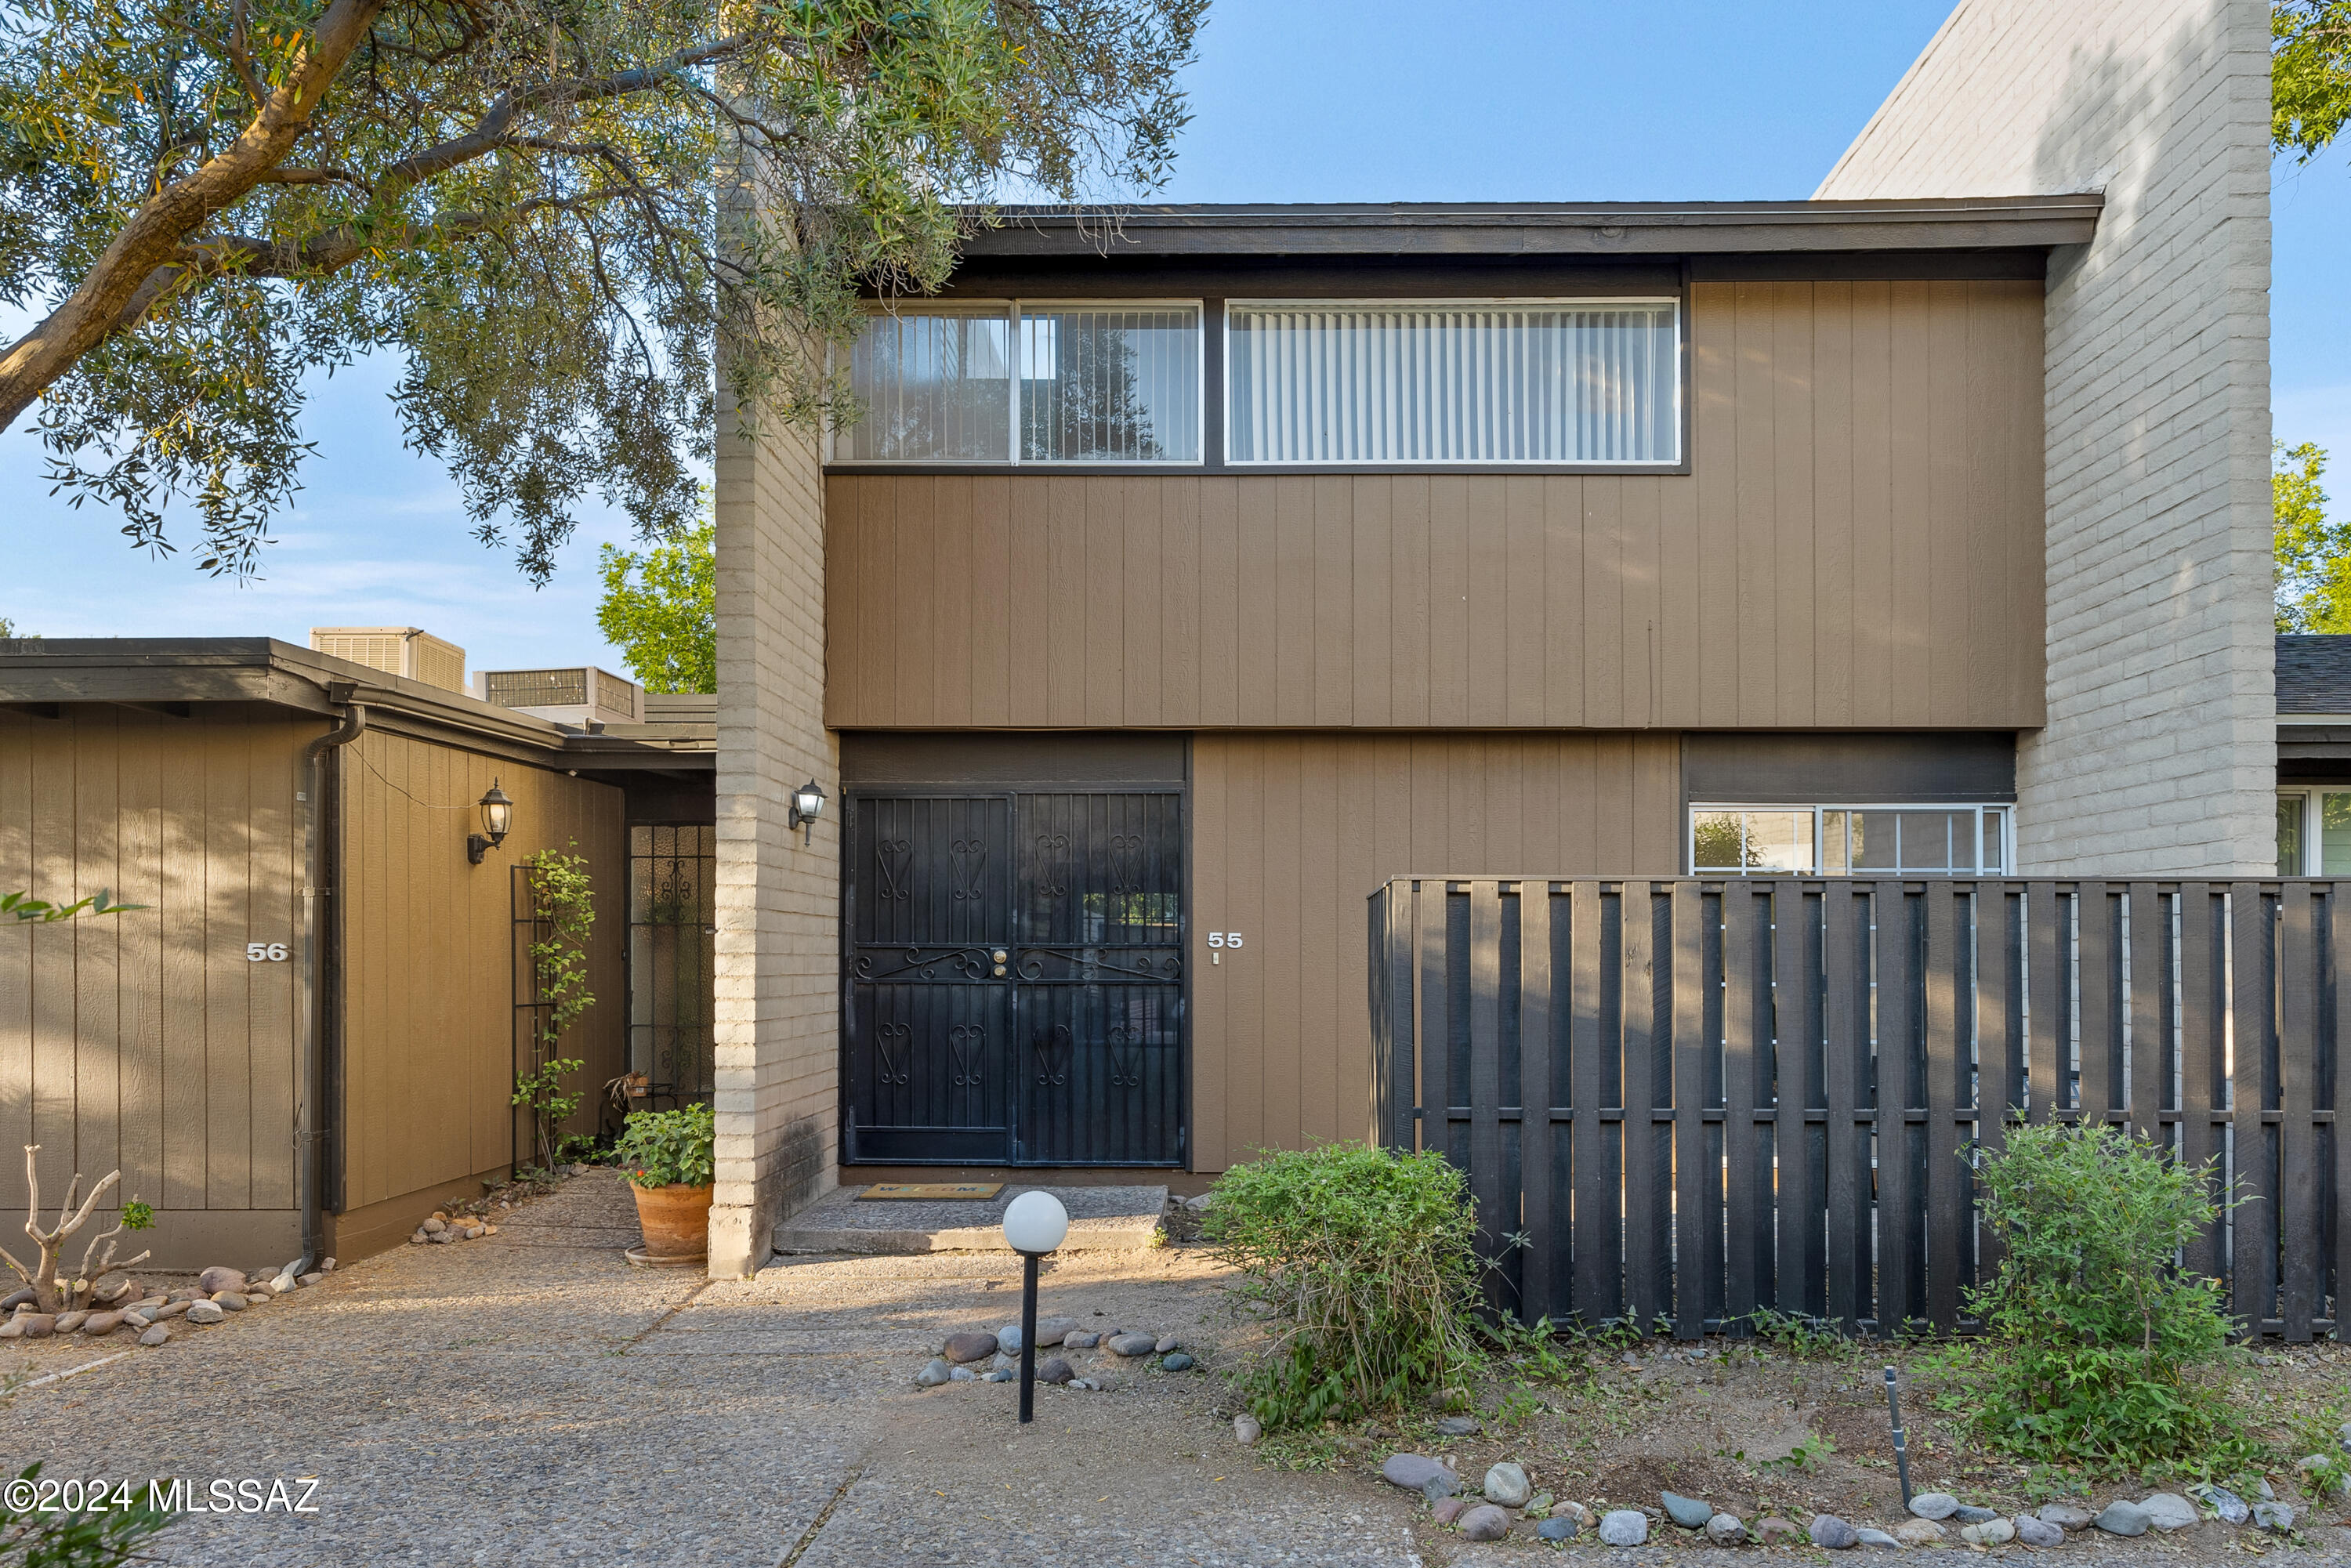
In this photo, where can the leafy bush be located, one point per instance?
(2095, 1328)
(101, 1535)
(1366, 1264)
(668, 1148)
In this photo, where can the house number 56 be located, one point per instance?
(264, 951)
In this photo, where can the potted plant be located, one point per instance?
(668, 1157)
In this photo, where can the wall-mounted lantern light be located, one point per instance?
(808, 805)
(497, 816)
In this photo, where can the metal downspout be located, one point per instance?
(321, 868)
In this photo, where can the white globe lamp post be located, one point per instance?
(1034, 1223)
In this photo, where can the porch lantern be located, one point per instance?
(498, 817)
(808, 805)
(1034, 1223)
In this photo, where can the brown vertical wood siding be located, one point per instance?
(147, 1042)
(1292, 833)
(1858, 544)
(428, 1040)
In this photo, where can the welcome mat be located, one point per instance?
(930, 1191)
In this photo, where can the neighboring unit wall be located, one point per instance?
(147, 1040)
(429, 952)
(1857, 545)
(2157, 753)
(779, 954)
(1292, 833)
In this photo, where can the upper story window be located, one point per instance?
(1487, 382)
(1850, 840)
(1027, 382)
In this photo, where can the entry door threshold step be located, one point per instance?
(1101, 1219)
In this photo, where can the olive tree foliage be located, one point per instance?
(588, 227)
(2310, 75)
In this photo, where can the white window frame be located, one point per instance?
(2314, 849)
(2007, 833)
(1011, 310)
(1482, 464)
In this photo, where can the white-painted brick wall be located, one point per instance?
(779, 902)
(2159, 754)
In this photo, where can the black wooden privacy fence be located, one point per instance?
(1755, 1092)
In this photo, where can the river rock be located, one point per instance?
(1458, 1425)
(1444, 1511)
(217, 1279)
(15, 1299)
(1167, 1343)
(932, 1374)
(1934, 1505)
(1076, 1340)
(1687, 1512)
(2226, 1503)
(962, 1375)
(1000, 1375)
(1133, 1344)
(2122, 1517)
(156, 1335)
(2035, 1532)
(69, 1322)
(1485, 1522)
(2313, 1467)
(38, 1325)
(1988, 1533)
(2169, 1511)
(1558, 1528)
(1832, 1533)
(1008, 1339)
(1179, 1361)
(101, 1323)
(1575, 1510)
(1773, 1530)
(1726, 1530)
(1624, 1527)
(1418, 1472)
(2277, 1517)
(2067, 1515)
(1054, 1331)
(206, 1311)
(171, 1309)
(1878, 1538)
(1918, 1533)
(229, 1301)
(1246, 1430)
(1968, 1513)
(1053, 1369)
(970, 1345)
(12, 1329)
(1507, 1484)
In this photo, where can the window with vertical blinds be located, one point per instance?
(1468, 381)
(1018, 381)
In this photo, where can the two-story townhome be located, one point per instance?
(1190, 575)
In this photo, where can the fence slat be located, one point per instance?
(2253, 1257)
(2203, 1006)
(1647, 1291)
(2093, 916)
(2000, 1044)
(2049, 1048)
(1435, 1098)
(1538, 1267)
(1696, 1239)
(2297, 1058)
(2150, 1010)
(1798, 1282)
(1746, 1202)
(1842, 916)
(1594, 1256)
(1895, 945)
(1947, 1220)
(2339, 933)
(1495, 1211)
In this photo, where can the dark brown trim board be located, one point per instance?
(1826, 768)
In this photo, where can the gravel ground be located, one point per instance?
(529, 1398)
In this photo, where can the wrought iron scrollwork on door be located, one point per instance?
(1126, 864)
(894, 1067)
(967, 1047)
(894, 865)
(1053, 1048)
(970, 857)
(1095, 964)
(1125, 1056)
(922, 964)
(1053, 865)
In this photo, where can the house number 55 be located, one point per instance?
(264, 951)
(1224, 939)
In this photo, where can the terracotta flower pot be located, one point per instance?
(675, 1219)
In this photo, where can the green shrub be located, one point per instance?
(1365, 1264)
(668, 1148)
(2094, 1328)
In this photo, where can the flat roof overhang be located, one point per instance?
(1542, 228)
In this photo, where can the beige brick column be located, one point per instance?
(778, 899)
(2159, 751)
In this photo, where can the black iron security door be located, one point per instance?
(1014, 987)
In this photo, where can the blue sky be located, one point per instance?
(1293, 100)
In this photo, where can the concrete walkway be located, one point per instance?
(1101, 1219)
(531, 1398)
